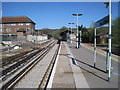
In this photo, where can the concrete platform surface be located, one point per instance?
(96, 77)
(68, 75)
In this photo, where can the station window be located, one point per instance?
(8, 29)
(20, 24)
(2, 30)
(27, 23)
(8, 24)
(2, 25)
(13, 24)
(27, 29)
(17, 29)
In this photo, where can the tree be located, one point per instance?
(92, 25)
(80, 27)
(116, 32)
(91, 32)
(85, 35)
(63, 28)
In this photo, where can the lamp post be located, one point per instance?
(77, 25)
(71, 31)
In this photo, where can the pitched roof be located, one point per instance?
(16, 19)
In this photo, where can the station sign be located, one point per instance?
(102, 21)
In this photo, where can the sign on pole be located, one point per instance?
(99, 23)
(102, 21)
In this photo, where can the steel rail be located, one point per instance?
(23, 71)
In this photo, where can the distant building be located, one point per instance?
(66, 35)
(102, 38)
(13, 26)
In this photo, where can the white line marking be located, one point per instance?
(53, 71)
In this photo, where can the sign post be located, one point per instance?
(80, 36)
(99, 23)
(94, 47)
(109, 56)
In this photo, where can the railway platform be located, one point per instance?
(67, 74)
(75, 69)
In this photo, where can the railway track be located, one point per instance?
(9, 60)
(26, 65)
(20, 62)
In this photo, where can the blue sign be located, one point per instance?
(102, 21)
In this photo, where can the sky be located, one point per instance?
(54, 15)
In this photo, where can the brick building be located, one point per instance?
(14, 23)
(16, 26)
